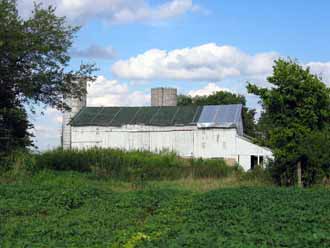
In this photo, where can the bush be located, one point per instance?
(202, 168)
(18, 161)
(258, 174)
(133, 165)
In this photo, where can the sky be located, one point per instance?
(197, 46)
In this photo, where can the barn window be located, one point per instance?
(254, 161)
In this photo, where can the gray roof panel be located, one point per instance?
(220, 116)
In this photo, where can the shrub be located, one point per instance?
(18, 161)
(211, 168)
(258, 174)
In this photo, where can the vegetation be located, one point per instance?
(72, 209)
(33, 59)
(295, 123)
(123, 165)
(224, 97)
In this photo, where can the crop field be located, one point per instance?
(71, 209)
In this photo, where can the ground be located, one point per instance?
(70, 209)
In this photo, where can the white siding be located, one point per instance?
(187, 141)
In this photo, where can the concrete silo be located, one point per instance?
(76, 105)
(163, 96)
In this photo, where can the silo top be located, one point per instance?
(163, 96)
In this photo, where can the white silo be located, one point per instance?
(76, 104)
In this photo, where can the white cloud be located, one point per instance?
(321, 69)
(209, 89)
(47, 128)
(114, 11)
(105, 92)
(208, 62)
(94, 52)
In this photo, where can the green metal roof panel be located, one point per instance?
(155, 116)
(105, 116)
(187, 114)
(144, 115)
(84, 116)
(164, 116)
(124, 116)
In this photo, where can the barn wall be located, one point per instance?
(186, 141)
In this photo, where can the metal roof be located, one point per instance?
(224, 116)
(154, 116)
(202, 116)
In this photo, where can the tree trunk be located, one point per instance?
(299, 174)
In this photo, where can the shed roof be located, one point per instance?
(214, 115)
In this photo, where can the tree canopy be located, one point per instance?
(224, 97)
(296, 108)
(34, 59)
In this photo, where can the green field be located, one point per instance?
(71, 209)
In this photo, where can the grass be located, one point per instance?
(73, 209)
(69, 178)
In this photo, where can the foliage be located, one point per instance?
(258, 175)
(224, 97)
(132, 165)
(67, 210)
(315, 148)
(19, 161)
(296, 106)
(13, 126)
(33, 60)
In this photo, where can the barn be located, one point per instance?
(213, 131)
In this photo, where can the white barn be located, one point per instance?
(214, 131)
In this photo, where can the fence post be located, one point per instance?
(299, 174)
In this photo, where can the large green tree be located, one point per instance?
(296, 109)
(224, 97)
(34, 55)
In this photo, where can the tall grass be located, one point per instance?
(132, 165)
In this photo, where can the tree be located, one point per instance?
(224, 97)
(33, 68)
(315, 150)
(295, 107)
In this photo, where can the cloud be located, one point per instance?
(115, 11)
(321, 69)
(208, 62)
(105, 92)
(47, 128)
(94, 52)
(209, 89)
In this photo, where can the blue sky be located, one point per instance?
(196, 46)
